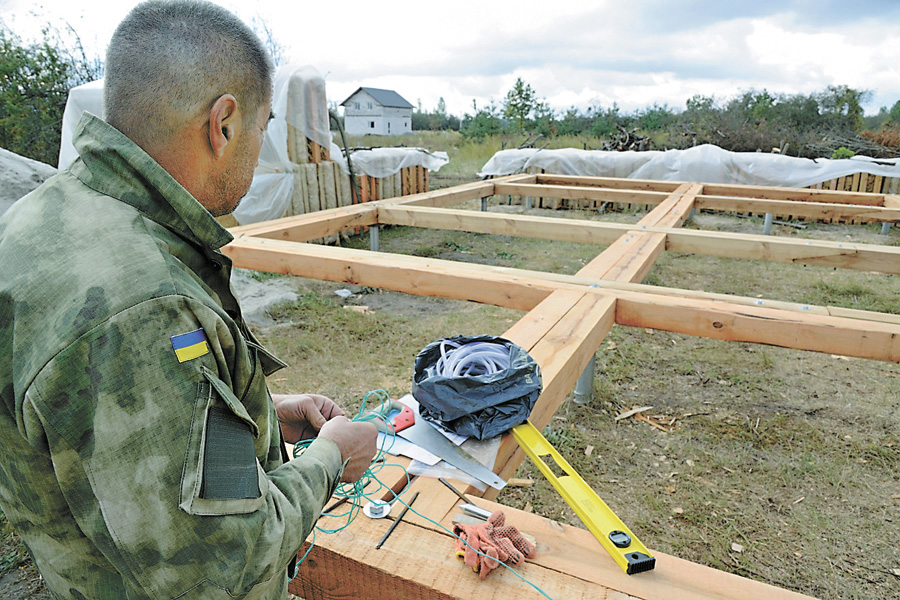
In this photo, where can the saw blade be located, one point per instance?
(424, 435)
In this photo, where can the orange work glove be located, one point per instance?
(496, 542)
(512, 543)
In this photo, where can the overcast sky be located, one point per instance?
(573, 53)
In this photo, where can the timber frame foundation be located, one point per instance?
(566, 321)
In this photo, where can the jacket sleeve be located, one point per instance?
(160, 460)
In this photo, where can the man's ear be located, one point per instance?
(223, 123)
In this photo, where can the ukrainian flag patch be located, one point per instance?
(190, 345)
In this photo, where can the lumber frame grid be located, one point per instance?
(567, 318)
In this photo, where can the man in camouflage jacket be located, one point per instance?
(142, 454)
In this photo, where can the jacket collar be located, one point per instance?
(112, 164)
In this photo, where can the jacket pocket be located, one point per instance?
(222, 474)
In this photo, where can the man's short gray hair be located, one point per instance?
(168, 62)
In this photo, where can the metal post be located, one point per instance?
(584, 387)
(484, 203)
(885, 228)
(767, 226)
(373, 238)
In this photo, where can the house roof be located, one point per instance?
(388, 98)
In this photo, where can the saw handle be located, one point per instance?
(399, 422)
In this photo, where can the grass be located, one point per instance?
(780, 465)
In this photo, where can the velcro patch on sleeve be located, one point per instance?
(229, 462)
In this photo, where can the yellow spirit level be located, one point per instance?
(609, 529)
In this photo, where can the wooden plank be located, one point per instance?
(325, 171)
(674, 210)
(418, 562)
(717, 189)
(864, 257)
(310, 226)
(523, 290)
(570, 192)
(762, 325)
(312, 187)
(448, 197)
(810, 210)
(892, 200)
(609, 182)
(563, 351)
(818, 209)
(411, 274)
(343, 185)
(420, 179)
(627, 259)
(298, 194)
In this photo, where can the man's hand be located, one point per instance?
(303, 415)
(356, 440)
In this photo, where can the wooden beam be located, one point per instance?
(418, 562)
(793, 194)
(807, 210)
(565, 347)
(628, 259)
(410, 274)
(862, 257)
(718, 189)
(675, 209)
(573, 192)
(457, 194)
(311, 226)
(762, 325)
(523, 290)
(617, 183)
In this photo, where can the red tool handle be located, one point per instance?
(406, 418)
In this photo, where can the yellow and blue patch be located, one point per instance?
(190, 345)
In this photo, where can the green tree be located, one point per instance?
(605, 121)
(544, 119)
(482, 123)
(894, 113)
(841, 106)
(35, 80)
(654, 118)
(518, 105)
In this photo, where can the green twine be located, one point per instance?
(355, 492)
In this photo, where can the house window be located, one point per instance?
(356, 105)
(372, 124)
(370, 105)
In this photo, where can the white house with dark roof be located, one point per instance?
(378, 112)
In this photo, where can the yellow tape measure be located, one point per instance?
(622, 545)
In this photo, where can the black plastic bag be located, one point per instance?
(476, 405)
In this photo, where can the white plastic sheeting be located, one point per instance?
(303, 105)
(701, 164)
(384, 162)
(273, 181)
(84, 98)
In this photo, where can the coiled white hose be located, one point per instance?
(472, 359)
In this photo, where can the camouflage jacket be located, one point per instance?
(127, 472)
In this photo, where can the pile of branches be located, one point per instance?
(626, 140)
(858, 144)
